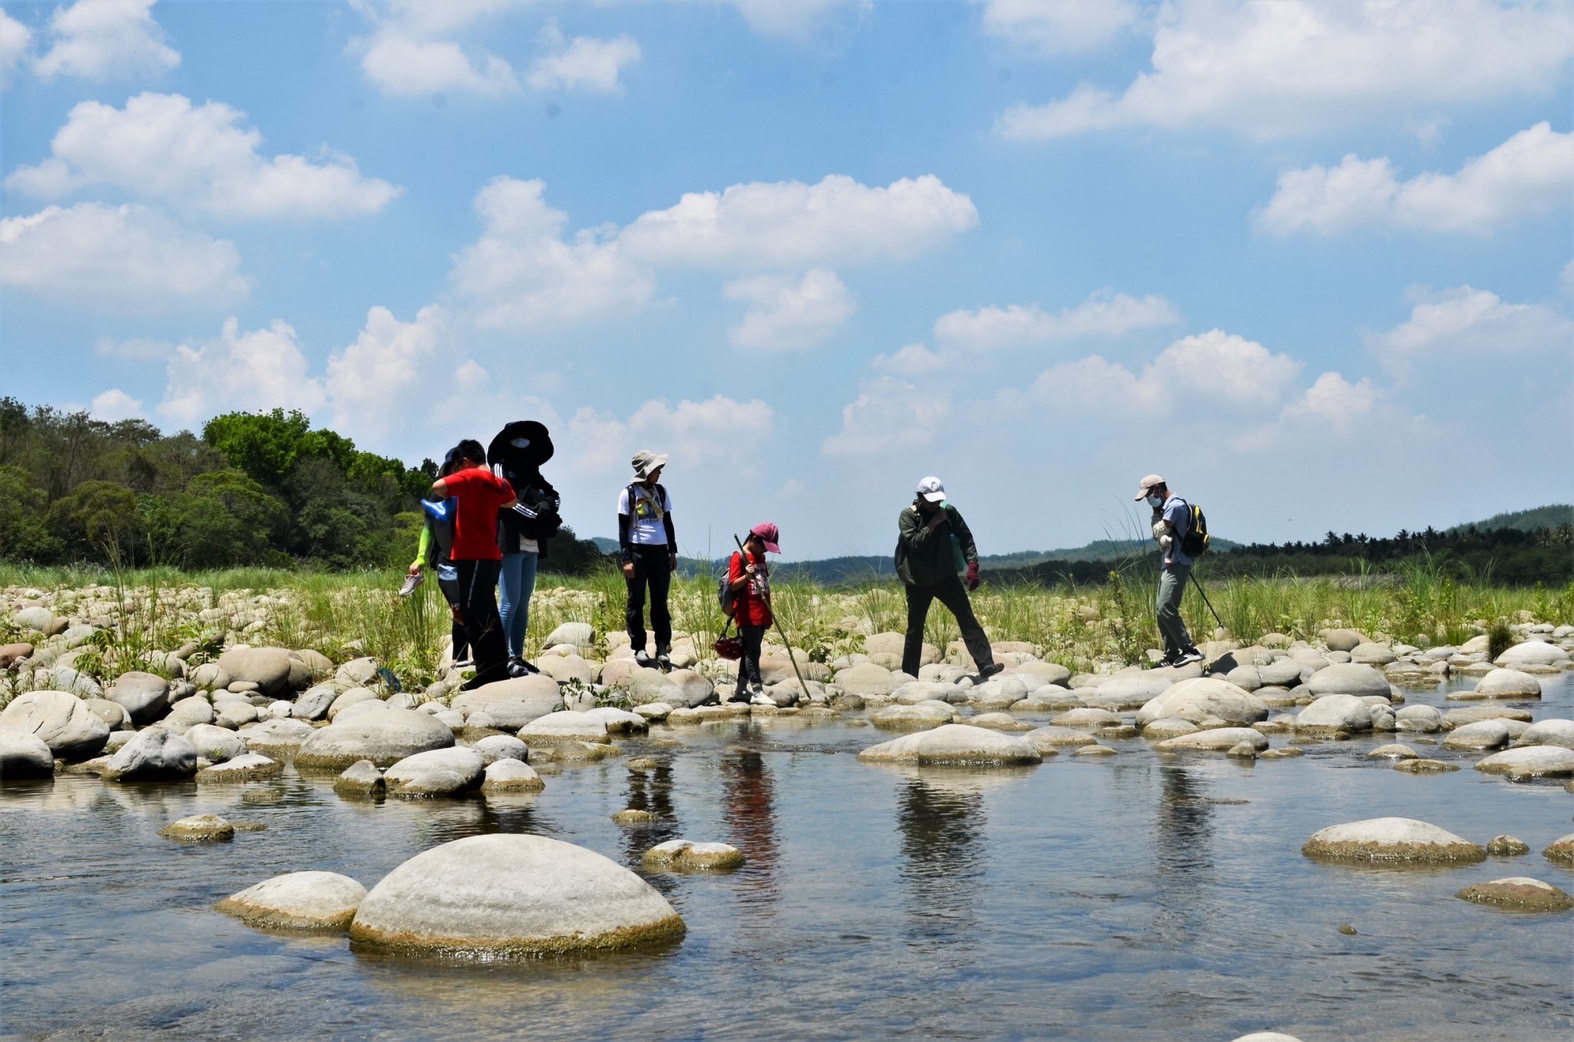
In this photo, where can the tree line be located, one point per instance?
(255, 489)
(1504, 554)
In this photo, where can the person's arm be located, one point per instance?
(421, 550)
(672, 533)
(737, 571)
(964, 536)
(913, 530)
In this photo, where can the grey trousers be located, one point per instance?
(1172, 585)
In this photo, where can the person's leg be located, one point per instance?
(749, 664)
(1172, 585)
(527, 589)
(477, 583)
(508, 583)
(660, 584)
(918, 598)
(953, 595)
(634, 615)
(450, 588)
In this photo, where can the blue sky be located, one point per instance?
(1312, 262)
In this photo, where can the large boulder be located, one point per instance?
(153, 754)
(526, 698)
(24, 755)
(1535, 761)
(436, 772)
(384, 736)
(955, 744)
(247, 767)
(1392, 840)
(1555, 731)
(1335, 714)
(310, 901)
(1508, 683)
(565, 726)
(1205, 701)
(1534, 656)
(866, 678)
(216, 744)
(1348, 678)
(277, 737)
(268, 668)
(1214, 740)
(510, 895)
(144, 695)
(63, 721)
(1130, 690)
(919, 716)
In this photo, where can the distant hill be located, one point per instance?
(1557, 515)
(1092, 562)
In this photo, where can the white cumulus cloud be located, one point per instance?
(418, 48)
(787, 312)
(240, 371)
(796, 225)
(796, 20)
(1059, 26)
(14, 38)
(1335, 401)
(99, 39)
(1102, 315)
(523, 273)
(583, 63)
(1464, 323)
(1273, 69)
(119, 258)
(1529, 174)
(115, 405)
(889, 415)
(161, 147)
(373, 383)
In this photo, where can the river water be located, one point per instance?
(1131, 897)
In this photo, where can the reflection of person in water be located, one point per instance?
(747, 806)
(651, 790)
(1185, 855)
(942, 839)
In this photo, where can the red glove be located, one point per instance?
(972, 576)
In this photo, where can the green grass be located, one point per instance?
(143, 614)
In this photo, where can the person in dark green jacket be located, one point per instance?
(933, 544)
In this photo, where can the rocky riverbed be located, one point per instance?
(1036, 838)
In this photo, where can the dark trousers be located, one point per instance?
(749, 662)
(652, 568)
(951, 593)
(450, 588)
(483, 626)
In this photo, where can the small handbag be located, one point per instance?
(728, 647)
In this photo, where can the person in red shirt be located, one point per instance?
(749, 577)
(479, 495)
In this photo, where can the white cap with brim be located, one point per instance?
(931, 489)
(1147, 483)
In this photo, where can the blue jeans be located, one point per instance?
(516, 582)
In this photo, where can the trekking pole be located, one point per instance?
(1205, 600)
(744, 556)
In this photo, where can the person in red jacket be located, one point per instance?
(479, 495)
(749, 577)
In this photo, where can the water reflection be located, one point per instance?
(1184, 867)
(942, 823)
(749, 809)
(650, 789)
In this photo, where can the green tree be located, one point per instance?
(99, 521)
(24, 528)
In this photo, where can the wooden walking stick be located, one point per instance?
(743, 556)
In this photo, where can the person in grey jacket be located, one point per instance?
(933, 544)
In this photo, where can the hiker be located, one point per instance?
(479, 495)
(437, 541)
(1170, 523)
(748, 576)
(516, 455)
(648, 548)
(933, 544)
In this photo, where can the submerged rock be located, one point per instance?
(959, 744)
(243, 768)
(507, 895)
(685, 855)
(1520, 894)
(298, 901)
(200, 828)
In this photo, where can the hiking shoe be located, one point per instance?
(760, 698)
(518, 667)
(642, 659)
(411, 582)
(990, 670)
(663, 661)
(1188, 656)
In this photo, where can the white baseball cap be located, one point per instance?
(931, 489)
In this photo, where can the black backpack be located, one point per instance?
(1195, 542)
(726, 596)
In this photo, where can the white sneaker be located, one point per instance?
(411, 582)
(762, 699)
(1191, 655)
(641, 658)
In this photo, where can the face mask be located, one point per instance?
(520, 443)
(1155, 501)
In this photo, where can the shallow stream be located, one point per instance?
(1131, 897)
